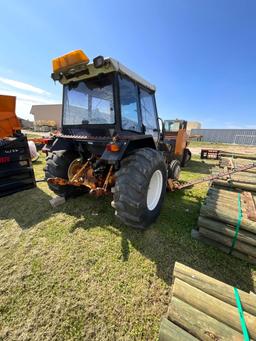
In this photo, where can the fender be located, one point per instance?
(127, 147)
(61, 144)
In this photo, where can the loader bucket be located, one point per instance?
(9, 122)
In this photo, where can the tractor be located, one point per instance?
(176, 133)
(111, 141)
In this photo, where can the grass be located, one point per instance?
(75, 273)
(193, 143)
(30, 134)
(33, 136)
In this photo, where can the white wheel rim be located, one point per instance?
(154, 190)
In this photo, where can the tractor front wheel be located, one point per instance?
(174, 170)
(140, 188)
(186, 157)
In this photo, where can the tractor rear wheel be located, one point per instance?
(140, 188)
(57, 166)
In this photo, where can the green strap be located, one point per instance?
(239, 220)
(241, 315)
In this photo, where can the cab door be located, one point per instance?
(149, 113)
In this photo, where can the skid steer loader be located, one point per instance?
(111, 139)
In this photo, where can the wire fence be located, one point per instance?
(231, 136)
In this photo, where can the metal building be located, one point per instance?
(235, 136)
(46, 116)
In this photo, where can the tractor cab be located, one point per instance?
(104, 98)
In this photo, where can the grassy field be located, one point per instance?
(75, 273)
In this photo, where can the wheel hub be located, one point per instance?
(74, 168)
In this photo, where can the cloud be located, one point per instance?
(24, 102)
(23, 86)
(26, 96)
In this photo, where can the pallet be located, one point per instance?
(213, 154)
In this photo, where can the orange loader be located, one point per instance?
(16, 171)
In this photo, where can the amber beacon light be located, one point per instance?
(69, 59)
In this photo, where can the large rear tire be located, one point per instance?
(140, 188)
(57, 164)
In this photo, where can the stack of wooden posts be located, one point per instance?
(227, 221)
(237, 155)
(203, 308)
(245, 180)
(236, 162)
(237, 181)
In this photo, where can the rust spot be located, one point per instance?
(212, 336)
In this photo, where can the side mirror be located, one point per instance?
(161, 126)
(143, 128)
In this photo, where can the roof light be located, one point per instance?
(69, 59)
(98, 62)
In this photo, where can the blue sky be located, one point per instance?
(200, 54)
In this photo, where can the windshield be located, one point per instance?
(172, 126)
(89, 102)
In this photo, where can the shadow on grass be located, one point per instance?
(169, 240)
(27, 208)
(199, 166)
(166, 241)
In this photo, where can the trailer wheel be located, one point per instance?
(140, 188)
(186, 157)
(174, 170)
(57, 164)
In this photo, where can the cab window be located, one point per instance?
(172, 126)
(148, 111)
(129, 105)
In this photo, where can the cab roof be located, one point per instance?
(86, 71)
(131, 74)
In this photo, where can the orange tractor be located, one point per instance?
(175, 132)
